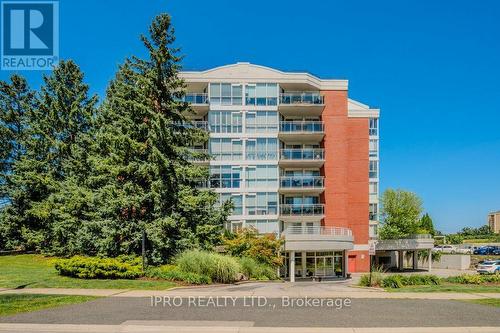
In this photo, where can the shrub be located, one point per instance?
(473, 279)
(172, 273)
(398, 280)
(254, 270)
(218, 267)
(376, 280)
(100, 268)
(392, 281)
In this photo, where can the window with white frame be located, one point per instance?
(225, 176)
(373, 148)
(373, 230)
(237, 200)
(225, 149)
(225, 121)
(373, 169)
(261, 176)
(261, 94)
(261, 203)
(373, 188)
(262, 149)
(373, 212)
(373, 127)
(261, 121)
(263, 226)
(226, 94)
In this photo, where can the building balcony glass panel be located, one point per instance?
(262, 210)
(300, 131)
(306, 157)
(199, 156)
(302, 210)
(317, 238)
(302, 184)
(298, 103)
(198, 101)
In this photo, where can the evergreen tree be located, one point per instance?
(427, 225)
(54, 146)
(143, 178)
(16, 102)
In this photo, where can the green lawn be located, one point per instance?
(16, 303)
(449, 287)
(487, 301)
(37, 271)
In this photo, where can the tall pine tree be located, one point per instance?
(143, 176)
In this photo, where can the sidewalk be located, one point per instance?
(287, 290)
(146, 327)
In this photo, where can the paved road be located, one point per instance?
(360, 313)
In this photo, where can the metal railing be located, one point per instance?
(302, 127)
(199, 155)
(304, 154)
(201, 124)
(317, 230)
(262, 210)
(195, 98)
(302, 210)
(299, 182)
(301, 97)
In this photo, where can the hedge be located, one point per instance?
(100, 268)
(173, 273)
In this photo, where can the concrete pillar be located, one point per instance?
(430, 259)
(292, 266)
(304, 263)
(415, 259)
(346, 263)
(400, 260)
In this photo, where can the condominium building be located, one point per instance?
(298, 158)
(494, 221)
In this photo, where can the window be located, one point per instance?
(373, 127)
(373, 230)
(373, 169)
(262, 203)
(373, 188)
(237, 200)
(225, 176)
(373, 148)
(226, 94)
(225, 121)
(262, 149)
(261, 94)
(261, 176)
(263, 226)
(373, 212)
(261, 121)
(224, 149)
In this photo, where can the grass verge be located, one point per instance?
(448, 287)
(487, 301)
(37, 271)
(11, 304)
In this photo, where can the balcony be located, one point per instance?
(299, 103)
(302, 157)
(302, 131)
(198, 101)
(302, 184)
(200, 156)
(317, 238)
(201, 124)
(302, 213)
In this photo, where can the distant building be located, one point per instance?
(494, 221)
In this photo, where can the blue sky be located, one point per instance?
(431, 66)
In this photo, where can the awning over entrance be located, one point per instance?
(314, 238)
(417, 242)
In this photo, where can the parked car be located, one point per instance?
(445, 248)
(464, 250)
(496, 251)
(489, 267)
(484, 250)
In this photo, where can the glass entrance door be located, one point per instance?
(324, 266)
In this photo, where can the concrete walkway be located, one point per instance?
(269, 290)
(136, 327)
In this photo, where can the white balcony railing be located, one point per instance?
(317, 230)
(302, 210)
(195, 98)
(304, 154)
(301, 97)
(301, 127)
(302, 182)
